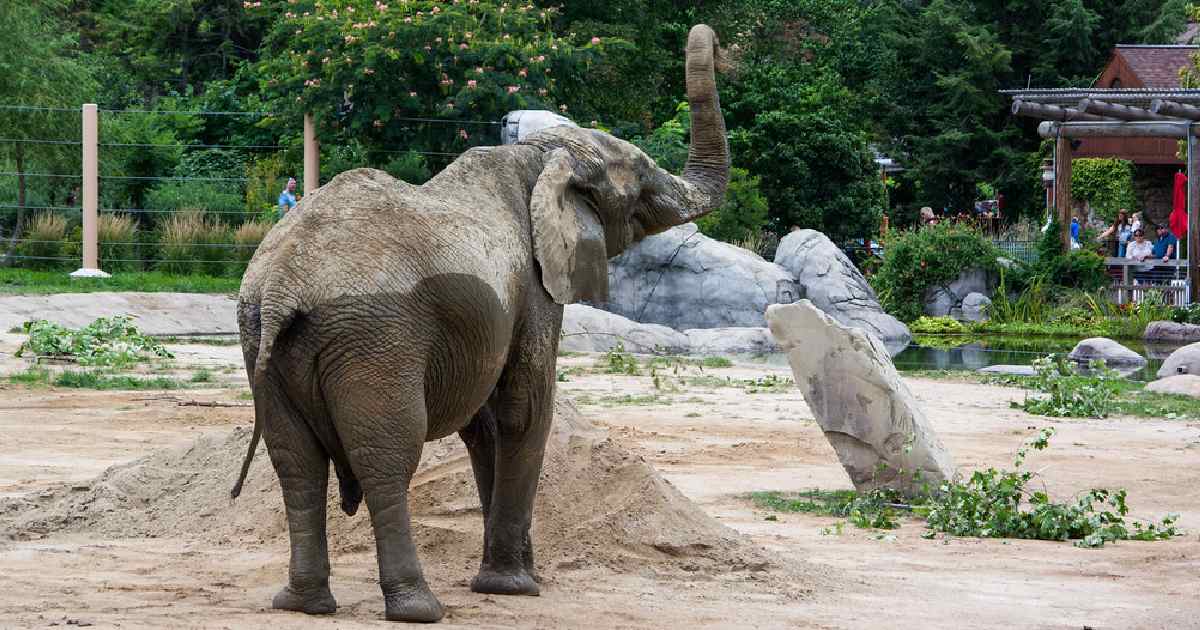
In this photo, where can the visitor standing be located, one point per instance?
(1118, 233)
(287, 198)
(1074, 233)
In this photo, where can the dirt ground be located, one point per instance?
(156, 543)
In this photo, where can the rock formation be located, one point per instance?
(869, 415)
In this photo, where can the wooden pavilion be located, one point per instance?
(1073, 116)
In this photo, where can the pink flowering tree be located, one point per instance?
(367, 68)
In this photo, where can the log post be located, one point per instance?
(312, 156)
(1193, 208)
(1062, 188)
(1117, 110)
(1176, 110)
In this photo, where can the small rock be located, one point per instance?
(1180, 384)
(1113, 353)
(1017, 370)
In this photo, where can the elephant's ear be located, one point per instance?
(568, 237)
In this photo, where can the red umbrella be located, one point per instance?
(1178, 220)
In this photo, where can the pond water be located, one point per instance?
(972, 352)
(952, 352)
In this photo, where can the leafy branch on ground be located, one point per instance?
(991, 503)
(1069, 393)
(109, 341)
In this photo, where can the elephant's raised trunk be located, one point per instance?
(701, 189)
(707, 167)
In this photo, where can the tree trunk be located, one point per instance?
(20, 225)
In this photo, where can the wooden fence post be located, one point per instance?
(91, 194)
(1062, 188)
(1193, 208)
(312, 156)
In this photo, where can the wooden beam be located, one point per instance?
(1116, 110)
(1193, 209)
(1053, 112)
(1178, 110)
(1062, 188)
(1118, 129)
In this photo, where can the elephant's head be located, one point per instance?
(598, 194)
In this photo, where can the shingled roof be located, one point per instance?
(1153, 66)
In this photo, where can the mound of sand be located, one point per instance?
(597, 505)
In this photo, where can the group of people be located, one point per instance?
(1128, 234)
(986, 216)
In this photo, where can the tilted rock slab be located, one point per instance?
(868, 414)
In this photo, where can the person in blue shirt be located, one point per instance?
(1164, 247)
(287, 198)
(1074, 232)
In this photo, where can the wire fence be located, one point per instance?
(197, 205)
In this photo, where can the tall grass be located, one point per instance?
(192, 242)
(1034, 304)
(118, 242)
(44, 241)
(246, 239)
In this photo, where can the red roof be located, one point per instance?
(1154, 66)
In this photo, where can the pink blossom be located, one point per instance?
(522, 72)
(595, 40)
(471, 83)
(368, 71)
(479, 70)
(541, 58)
(462, 133)
(408, 20)
(463, 46)
(513, 89)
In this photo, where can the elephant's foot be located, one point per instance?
(518, 582)
(318, 601)
(417, 605)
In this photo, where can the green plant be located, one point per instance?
(410, 167)
(181, 196)
(991, 504)
(95, 380)
(877, 509)
(112, 341)
(744, 212)
(264, 182)
(618, 361)
(919, 260)
(191, 241)
(1105, 183)
(202, 376)
(30, 282)
(118, 233)
(926, 325)
(716, 362)
(1189, 314)
(1031, 305)
(1069, 394)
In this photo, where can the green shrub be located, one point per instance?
(217, 198)
(744, 212)
(1080, 269)
(264, 182)
(410, 167)
(925, 325)
(920, 259)
(191, 242)
(1069, 394)
(1105, 183)
(216, 163)
(44, 241)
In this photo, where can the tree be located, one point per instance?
(378, 72)
(39, 68)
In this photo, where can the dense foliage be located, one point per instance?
(918, 260)
(813, 90)
(110, 341)
(1106, 184)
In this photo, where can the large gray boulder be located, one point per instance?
(684, 279)
(1185, 360)
(1112, 353)
(975, 306)
(868, 414)
(827, 278)
(708, 341)
(587, 329)
(1171, 332)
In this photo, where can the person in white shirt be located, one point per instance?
(1139, 249)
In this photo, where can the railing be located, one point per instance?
(1134, 281)
(1024, 251)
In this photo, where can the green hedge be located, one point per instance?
(933, 255)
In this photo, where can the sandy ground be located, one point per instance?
(713, 443)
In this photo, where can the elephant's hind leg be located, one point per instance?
(383, 431)
(303, 469)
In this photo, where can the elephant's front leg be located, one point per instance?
(523, 406)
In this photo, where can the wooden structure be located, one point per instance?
(1070, 116)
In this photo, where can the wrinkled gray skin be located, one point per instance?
(382, 315)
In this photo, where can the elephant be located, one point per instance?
(380, 315)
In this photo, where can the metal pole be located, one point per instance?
(1193, 208)
(312, 156)
(91, 194)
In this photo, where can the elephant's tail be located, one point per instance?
(272, 322)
